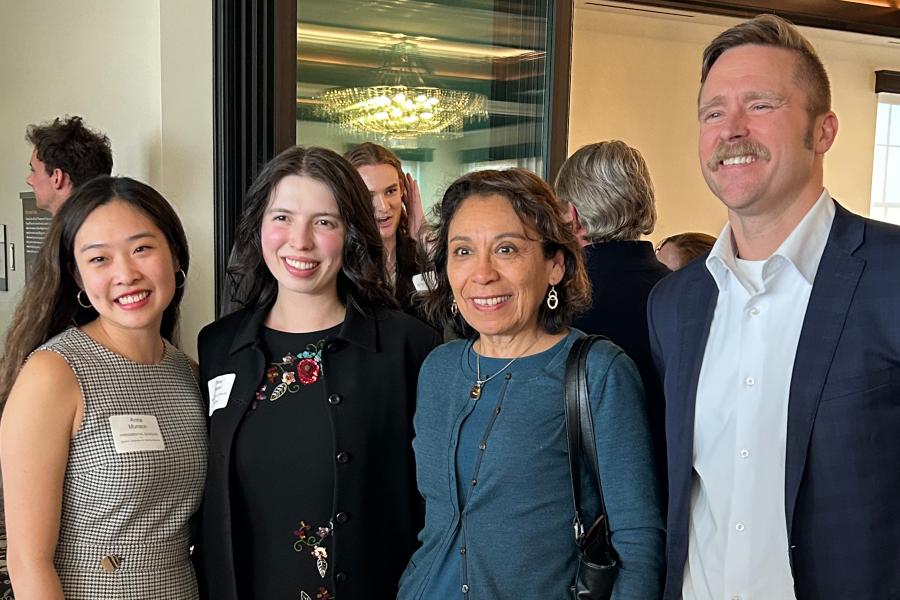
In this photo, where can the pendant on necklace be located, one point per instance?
(475, 394)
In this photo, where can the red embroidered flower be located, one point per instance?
(272, 374)
(308, 371)
(324, 594)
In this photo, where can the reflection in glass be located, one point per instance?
(488, 65)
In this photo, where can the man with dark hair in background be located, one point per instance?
(65, 155)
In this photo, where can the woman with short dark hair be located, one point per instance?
(310, 387)
(491, 451)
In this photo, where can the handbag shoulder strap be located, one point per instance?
(580, 430)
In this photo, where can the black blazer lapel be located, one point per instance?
(826, 313)
(246, 359)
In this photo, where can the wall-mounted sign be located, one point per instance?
(36, 222)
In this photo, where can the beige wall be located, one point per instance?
(636, 79)
(138, 70)
(187, 148)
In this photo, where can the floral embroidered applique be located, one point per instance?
(292, 372)
(313, 540)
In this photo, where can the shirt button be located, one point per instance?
(342, 517)
(340, 577)
(745, 453)
(465, 589)
(739, 526)
(474, 481)
(462, 550)
(753, 311)
(482, 446)
(343, 457)
(749, 382)
(334, 399)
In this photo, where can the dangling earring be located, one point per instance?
(454, 309)
(80, 303)
(183, 278)
(552, 298)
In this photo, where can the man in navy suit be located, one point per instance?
(780, 351)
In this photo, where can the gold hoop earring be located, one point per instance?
(552, 298)
(80, 303)
(183, 278)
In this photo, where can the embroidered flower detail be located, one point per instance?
(304, 539)
(300, 532)
(307, 371)
(324, 594)
(293, 372)
(319, 552)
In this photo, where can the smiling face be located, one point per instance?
(759, 148)
(497, 269)
(125, 266)
(302, 236)
(384, 184)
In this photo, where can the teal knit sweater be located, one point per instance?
(516, 526)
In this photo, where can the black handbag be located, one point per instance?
(598, 563)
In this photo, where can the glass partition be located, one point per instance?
(450, 86)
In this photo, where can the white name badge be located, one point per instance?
(136, 433)
(219, 390)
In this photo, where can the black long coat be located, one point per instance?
(378, 512)
(622, 275)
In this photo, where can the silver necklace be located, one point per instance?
(475, 392)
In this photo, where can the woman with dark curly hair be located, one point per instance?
(491, 452)
(310, 389)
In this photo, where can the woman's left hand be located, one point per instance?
(414, 209)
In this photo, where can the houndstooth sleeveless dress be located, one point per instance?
(124, 523)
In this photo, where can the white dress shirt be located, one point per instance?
(738, 547)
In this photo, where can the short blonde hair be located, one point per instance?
(771, 30)
(610, 186)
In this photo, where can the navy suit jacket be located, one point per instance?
(842, 475)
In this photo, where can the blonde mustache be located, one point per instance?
(742, 148)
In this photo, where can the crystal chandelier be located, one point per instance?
(399, 105)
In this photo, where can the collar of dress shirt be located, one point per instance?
(803, 248)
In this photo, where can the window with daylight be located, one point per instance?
(886, 166)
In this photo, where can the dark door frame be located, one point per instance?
(254, 58)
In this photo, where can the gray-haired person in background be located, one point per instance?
(607, 190)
